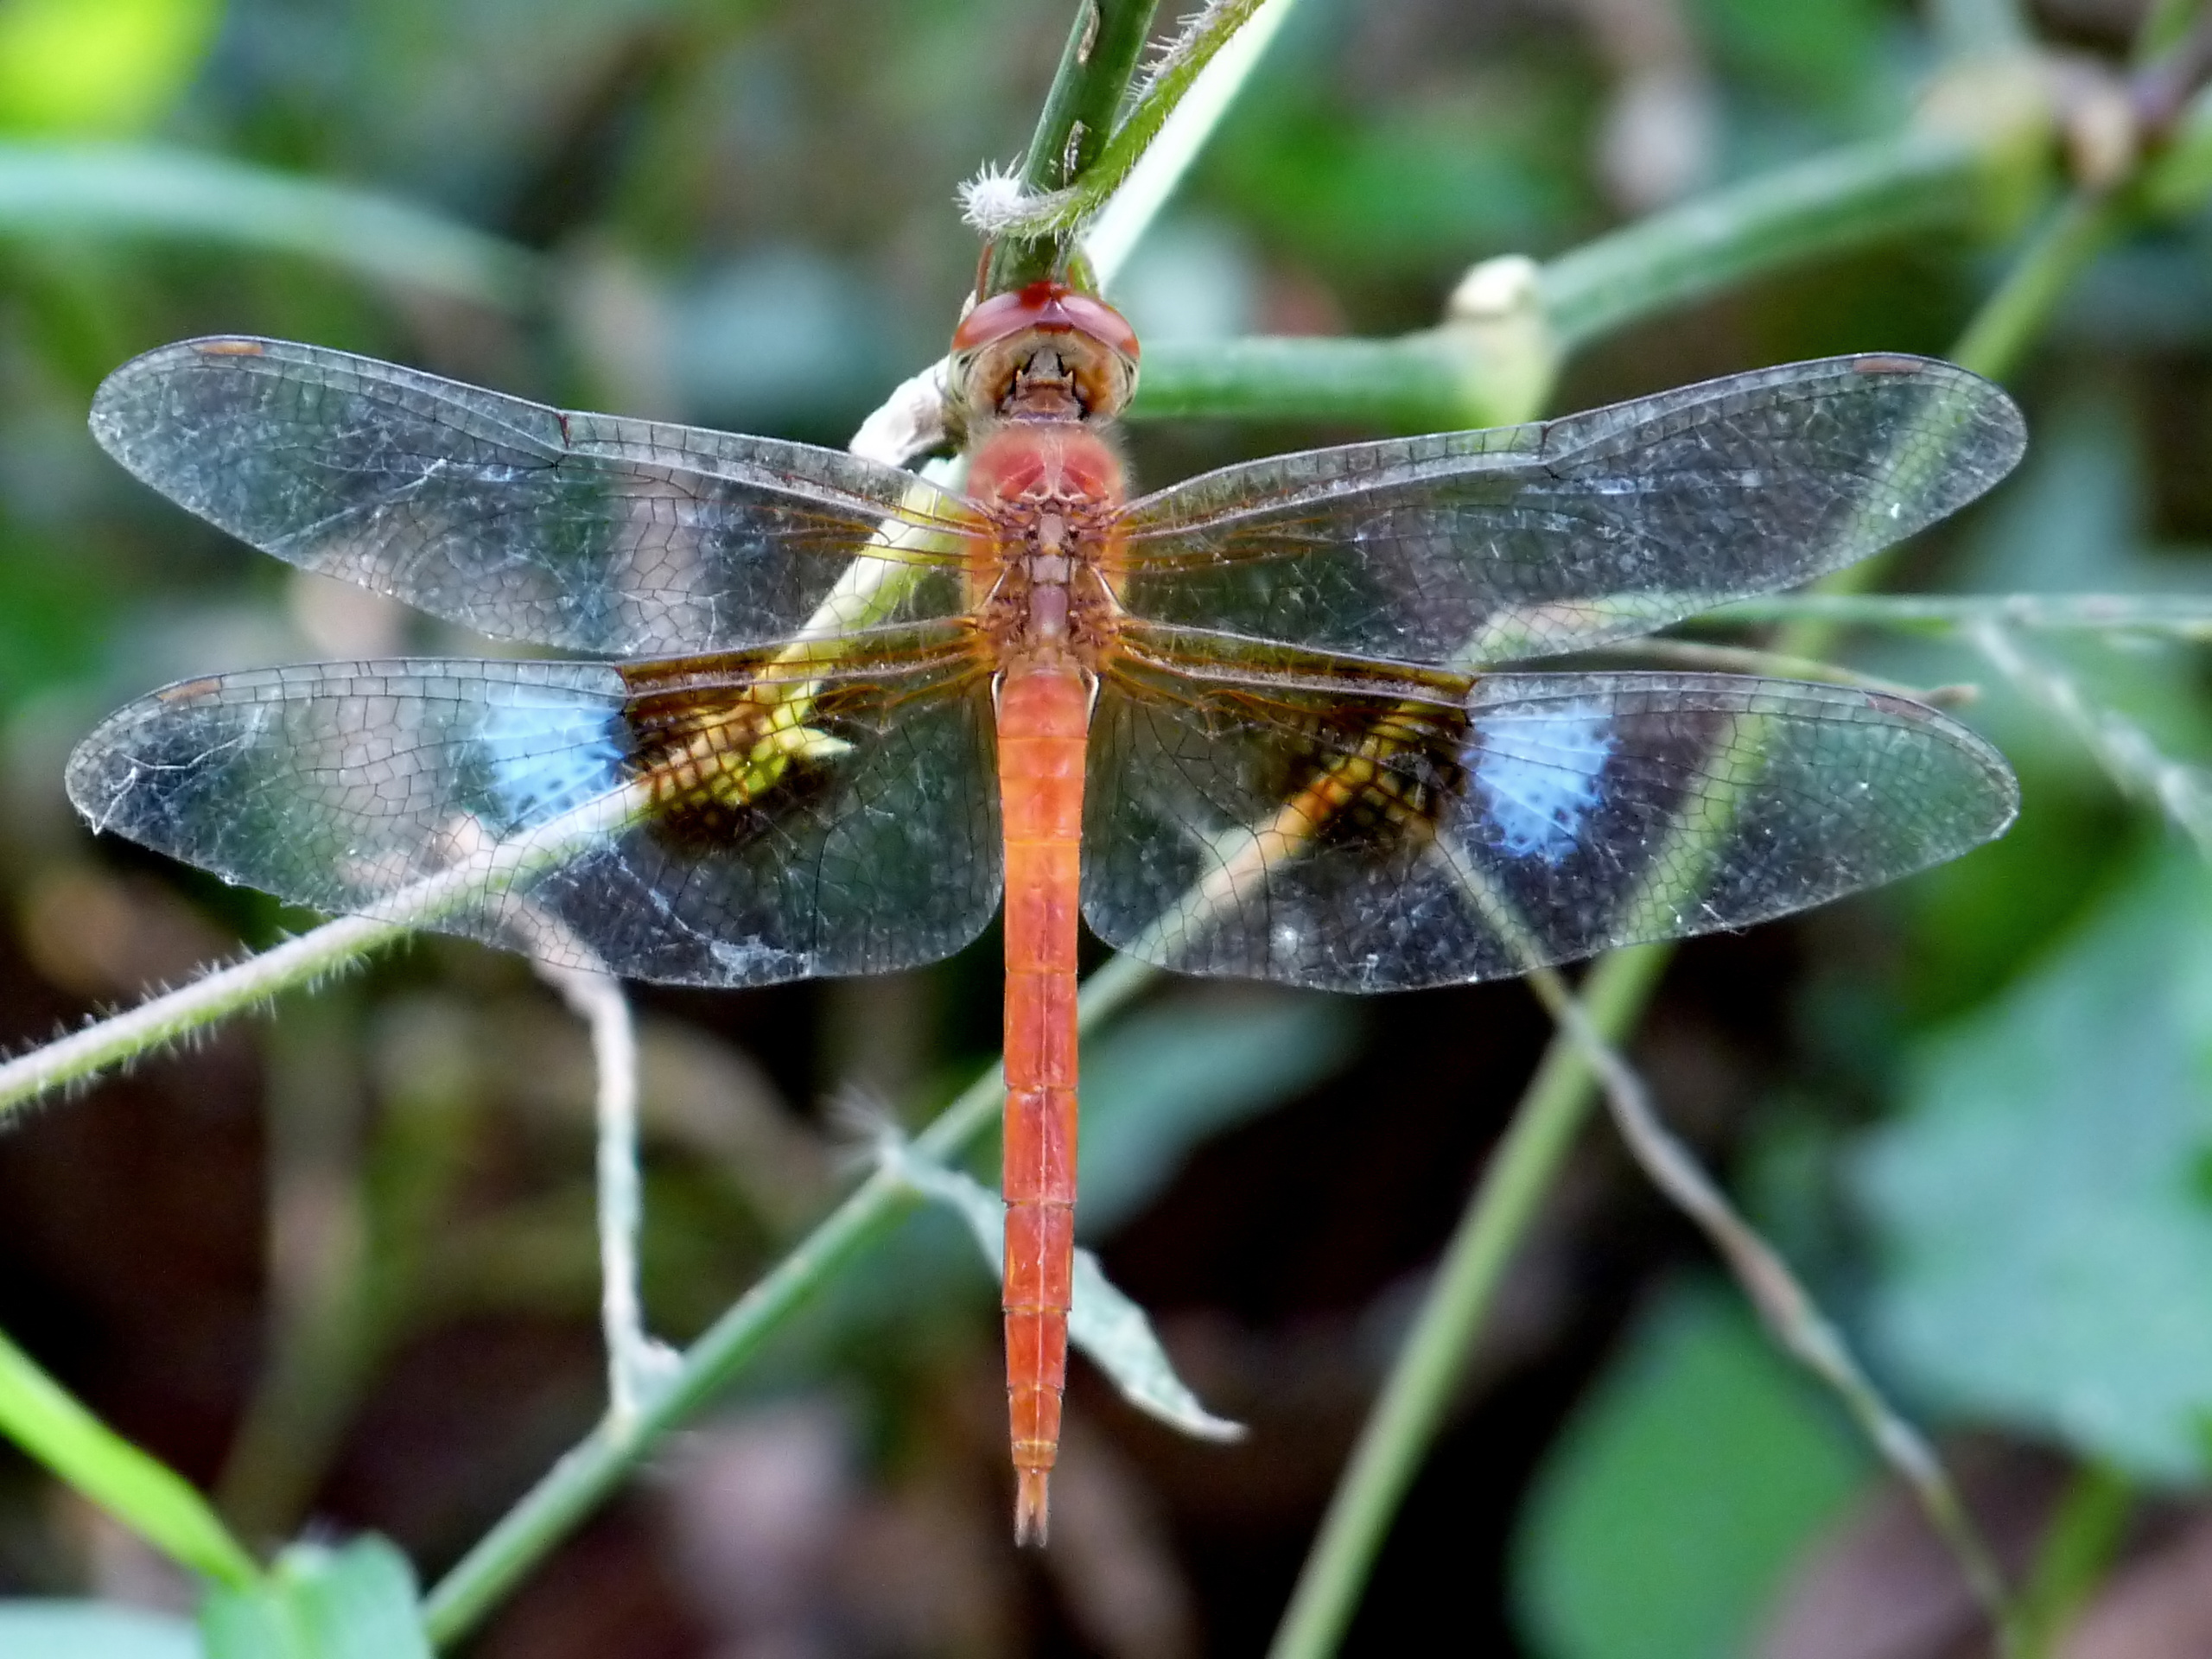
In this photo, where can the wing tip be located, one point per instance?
(115, 416)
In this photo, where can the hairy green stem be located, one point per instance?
(1072, 128)
(174, 1015)
(1052, 214)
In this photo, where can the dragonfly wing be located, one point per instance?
(654, 819)
(1368, 842)
(1472, 548)
(589, 533)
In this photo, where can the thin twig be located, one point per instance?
(1424, 1376)
(2077, 230)
(2124, 749)
(174, 1015)
(2182, 616)
(637, 1366)
(1783, 1303)
(1751, 659)
(592, 1469)
(479, 879)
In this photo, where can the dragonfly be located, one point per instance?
(814, 714)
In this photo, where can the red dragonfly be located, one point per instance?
(1247, 725)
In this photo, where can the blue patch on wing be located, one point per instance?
(544, 754)
(1538, 775)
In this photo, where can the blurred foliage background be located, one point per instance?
(337, 1265)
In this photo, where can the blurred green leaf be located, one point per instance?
(97, 66)
(355, 1603)
(91, 1629)
(1826, 53)
(1165, 1079)
(2048, 1249)
(1104, 1323)
(1416, 188)
(1685, 1486)
(48, 190)
(147, 1497)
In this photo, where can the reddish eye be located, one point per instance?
(1050, 306)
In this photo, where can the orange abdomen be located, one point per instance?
(1043, 715)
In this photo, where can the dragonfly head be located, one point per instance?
(1044, 352)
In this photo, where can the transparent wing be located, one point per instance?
(590, 533)
(1472, 548)
(715, 821)
(1383, 839)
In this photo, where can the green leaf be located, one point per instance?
(149, 190)
(1103, 1322)
(1165, 1079)
(355, 1603)
(40, 1415)
(1663, 1520)
(2048, 1245)
(99, 66)
(91, 1629)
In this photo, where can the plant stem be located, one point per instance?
(591, 1470)
(2013, 316)
(1219, 63)
(1432, 380)
(1414, 1401)
(151, 190)
(1405, 1417)
(1855, 197)
(175, 1015)
(1073, 126)
(2186, 616)
(2125, 750)
(1701, 655)
(2084, 1533)
(1791, 1314)
(1047, 216)
(1441, 378)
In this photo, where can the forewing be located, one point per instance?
(590, 533)
(1472, 548)
(1368, 841)
(654, 820)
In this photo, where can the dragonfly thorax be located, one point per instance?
(1052, 492)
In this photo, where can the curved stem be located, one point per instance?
(142, 190)
(1855, 197)
(1849, 199)
(581, 1479)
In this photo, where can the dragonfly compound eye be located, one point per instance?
(1092, 342)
